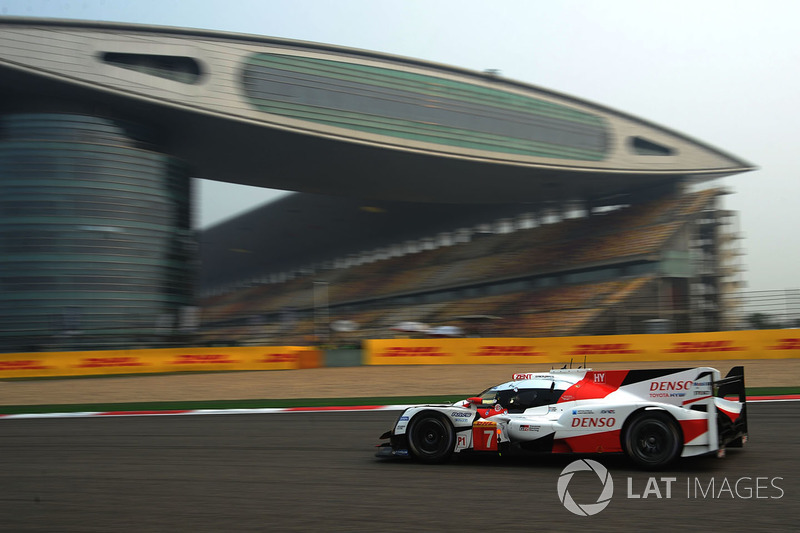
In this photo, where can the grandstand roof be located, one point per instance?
(330, 120)
(304, 229)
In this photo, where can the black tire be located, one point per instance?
(652, 440)
(431, 437)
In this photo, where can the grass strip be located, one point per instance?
(280, 403)
(771, 391)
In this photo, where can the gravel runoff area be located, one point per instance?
(362, 381)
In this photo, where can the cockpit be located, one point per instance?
(516, 399)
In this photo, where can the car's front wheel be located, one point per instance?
(431, 437)
(652, 440)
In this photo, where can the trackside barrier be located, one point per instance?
(721, 345)
(724, 345)
(44, 364)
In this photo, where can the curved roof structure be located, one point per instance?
(330, 120)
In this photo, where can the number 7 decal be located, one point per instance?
(484, 436)
(489, 435)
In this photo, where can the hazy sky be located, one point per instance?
(725, 72)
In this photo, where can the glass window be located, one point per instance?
(175, 68)
(642, 146)
(421, 107)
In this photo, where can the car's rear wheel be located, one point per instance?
(652, 440)
(431, 437)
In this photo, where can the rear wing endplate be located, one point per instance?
(732, 433)
(732, 385)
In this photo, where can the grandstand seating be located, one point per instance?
(367, 293)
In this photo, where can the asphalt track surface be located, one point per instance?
(317, 472)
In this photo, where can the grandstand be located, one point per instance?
(423, 192)
(634, 269)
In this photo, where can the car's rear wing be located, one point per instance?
(724, 402)
(732, 385)
(729, 395)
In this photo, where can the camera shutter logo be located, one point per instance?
(587, 509)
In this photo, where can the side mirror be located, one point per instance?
(476, 400)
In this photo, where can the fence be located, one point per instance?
(769, 309)
(777, 309)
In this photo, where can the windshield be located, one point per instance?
(489, 396)
(520, 399)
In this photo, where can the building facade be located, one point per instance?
(95, 235)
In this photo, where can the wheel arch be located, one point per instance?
(428, 411)
(642, 411)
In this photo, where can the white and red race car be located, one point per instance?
(653, 416)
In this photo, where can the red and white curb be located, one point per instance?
(188, 412)
(776, 398)
(274, 410)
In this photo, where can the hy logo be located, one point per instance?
(587, 509)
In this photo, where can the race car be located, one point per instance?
(652, 416)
